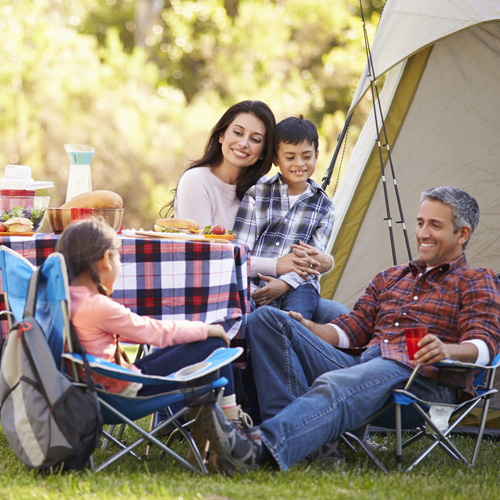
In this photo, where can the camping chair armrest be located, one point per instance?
(445, 363)
(453, 364)
(403, 396)
(218, 358)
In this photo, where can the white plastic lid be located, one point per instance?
(19, 177)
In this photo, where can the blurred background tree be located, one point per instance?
(143, 82)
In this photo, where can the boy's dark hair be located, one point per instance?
(294, 130)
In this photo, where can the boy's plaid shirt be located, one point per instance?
(266, 223)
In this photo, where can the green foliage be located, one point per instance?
(76, 72)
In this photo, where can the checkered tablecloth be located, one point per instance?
(168, 279)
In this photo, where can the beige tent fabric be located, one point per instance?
(407, 26)
(442, 107)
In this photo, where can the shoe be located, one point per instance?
(234, 414)
(237, 450)
(238, 417)
(329, 453)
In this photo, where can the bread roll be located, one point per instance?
(174, 225)
(100, 198)
(18, 225)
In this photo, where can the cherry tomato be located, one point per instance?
(218, 229)
(3, 229)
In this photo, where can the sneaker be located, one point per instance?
(235, 414)
(329, 453)
(238, 417)
(237, 449)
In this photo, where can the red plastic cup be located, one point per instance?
(413, 335)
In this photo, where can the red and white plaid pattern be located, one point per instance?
(168, 279)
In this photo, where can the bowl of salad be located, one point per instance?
(14, 208)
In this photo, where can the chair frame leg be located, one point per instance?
(349, 436)
(145, 435)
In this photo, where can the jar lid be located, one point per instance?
(19, 177)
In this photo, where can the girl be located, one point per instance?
(91, 250)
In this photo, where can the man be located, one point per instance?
(310, 391)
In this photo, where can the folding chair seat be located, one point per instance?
(193, 385)
(433, 421)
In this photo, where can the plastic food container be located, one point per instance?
(17, 187)
(31, 207)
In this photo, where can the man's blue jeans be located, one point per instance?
(312, 392)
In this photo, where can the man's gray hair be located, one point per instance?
(465, 208)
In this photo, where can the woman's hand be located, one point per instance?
(309, 259)
(217, 331)
(290, 263)
(274, 289)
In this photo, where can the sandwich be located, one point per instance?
(18, 225)
(174, 225)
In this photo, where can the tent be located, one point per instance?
(440, 100)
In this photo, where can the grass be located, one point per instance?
(161, 478)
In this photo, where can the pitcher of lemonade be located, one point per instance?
(79, 180)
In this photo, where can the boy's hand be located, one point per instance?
(217, 331)
(274, 289)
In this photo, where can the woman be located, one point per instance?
(238, 153)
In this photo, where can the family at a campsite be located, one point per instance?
(306, 375)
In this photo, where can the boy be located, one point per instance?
(277, 212)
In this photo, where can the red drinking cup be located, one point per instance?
(413, 335)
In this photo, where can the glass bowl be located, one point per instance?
(60, 218)
(32, 208)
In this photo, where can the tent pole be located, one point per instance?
(340, 140)
(389, 157)
(373, 85)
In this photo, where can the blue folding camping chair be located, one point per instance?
(435, 422)
(191, 386)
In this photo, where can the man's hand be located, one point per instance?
(432, 350)
(217, 331)
(305, 322)
(324, 332)
(275, 288)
